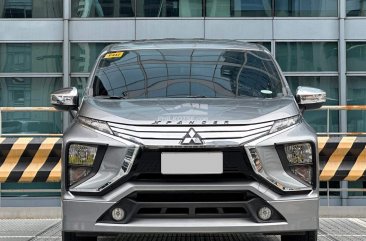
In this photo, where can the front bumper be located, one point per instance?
(82, 213)
(300, 212)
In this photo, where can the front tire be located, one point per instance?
(308, 236)
(67, 236)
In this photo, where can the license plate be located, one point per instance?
(174, 163)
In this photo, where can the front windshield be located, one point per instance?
(177, 73)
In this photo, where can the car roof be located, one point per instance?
(185, 44)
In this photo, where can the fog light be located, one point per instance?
(264, 213)
(118, 214)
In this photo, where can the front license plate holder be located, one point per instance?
(191, 163)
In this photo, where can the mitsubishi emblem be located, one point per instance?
(192, 137)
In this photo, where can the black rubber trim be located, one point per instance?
(169, 206)
(147, 161)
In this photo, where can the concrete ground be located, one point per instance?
(331, 229)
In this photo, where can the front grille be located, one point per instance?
(191, 204)
(147, 166)
(225, 177)
(165, 135)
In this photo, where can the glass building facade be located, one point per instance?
(48, 44)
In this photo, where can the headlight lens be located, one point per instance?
(299, 154)
(95, 124)
(80, 161)
(300, 159)
(284, 123)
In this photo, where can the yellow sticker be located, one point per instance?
(113, 55)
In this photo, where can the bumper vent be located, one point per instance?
(203, 204)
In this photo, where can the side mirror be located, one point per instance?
(66, 99)
(310, 98)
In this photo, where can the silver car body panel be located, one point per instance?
(205, 112)
(301, 213)
(164, 123)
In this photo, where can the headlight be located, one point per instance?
(297, 160)
(300, 161)
(85, 160)
(298, 154)
(95, 124)
(284, 123)
(81, 160)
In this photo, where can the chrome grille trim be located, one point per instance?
(173, 135)
(185, 128)
(209, 142)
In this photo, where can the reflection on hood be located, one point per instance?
(189, 111)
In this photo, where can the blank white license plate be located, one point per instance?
(192, 163)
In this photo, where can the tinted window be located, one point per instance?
(187, 72)
(83, 56)
(356, 56)
(31, 8)
(356, 92)
(169, 8)
(31, 57)
(307, 56)
(139, 8)
(356, 8)
(25, 92)
(306, 8)
(102, 8)
(238, 8)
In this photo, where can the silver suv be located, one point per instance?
(188, 136)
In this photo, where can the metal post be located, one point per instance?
(342, 65)
(328, 117)
(328, 193)
(342, 82)
(66, 55)
(344, 193)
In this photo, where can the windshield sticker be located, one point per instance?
(113, 55)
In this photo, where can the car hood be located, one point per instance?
(189, 110)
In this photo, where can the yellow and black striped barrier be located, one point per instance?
(39, 159)
(342, 158)
(30, 159)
